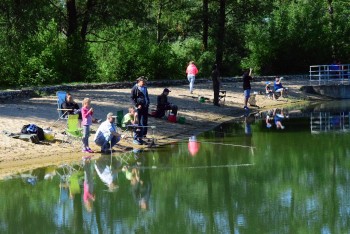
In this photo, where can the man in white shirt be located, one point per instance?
(106, 135)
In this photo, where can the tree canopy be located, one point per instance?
(61, 41)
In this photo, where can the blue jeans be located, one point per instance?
(191, 79)
(104, 143)
(142, 115)
(86, 134)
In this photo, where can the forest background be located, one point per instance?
(63, 41)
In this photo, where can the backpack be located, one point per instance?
(33, 129)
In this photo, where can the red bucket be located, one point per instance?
(172, 118)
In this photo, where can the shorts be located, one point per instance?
(247, 93)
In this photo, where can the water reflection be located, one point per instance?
(193, 145)
(140, 181)
(107, 168)
(89, 193)
(241, 181)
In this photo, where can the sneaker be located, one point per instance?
(89, 150)
(136, 142)
(85, 150)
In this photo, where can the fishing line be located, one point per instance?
(227, 144)
(199, 167)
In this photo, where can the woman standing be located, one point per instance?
(191, 74)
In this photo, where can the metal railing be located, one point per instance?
(335, 73)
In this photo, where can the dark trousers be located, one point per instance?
(161, 110)
(216, 88)
(142, 115)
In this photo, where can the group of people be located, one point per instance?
(277, 91)
(108, 169)
(137, 117)
(106, 135)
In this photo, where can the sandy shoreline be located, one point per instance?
(17, 155)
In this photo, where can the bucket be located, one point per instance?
(153, 112)
(181, 120)
(49, 135)
(172, 118)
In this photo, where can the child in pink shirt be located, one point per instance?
(86, 114)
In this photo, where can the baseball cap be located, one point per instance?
(141, 78)
(166, 90)
(110, 114)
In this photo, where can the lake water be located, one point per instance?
(242, 177)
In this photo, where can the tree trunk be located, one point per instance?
(159, 16)
(72, 18)
(221, 33)
(84, 27)
(330, 11)
(205, 24)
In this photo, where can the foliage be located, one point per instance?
(58, 41)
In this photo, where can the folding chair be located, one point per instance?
(123, 130)
(72, 130)
(222, 96)
(119, 118)
(61, 98)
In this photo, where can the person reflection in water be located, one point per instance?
(88, 196)
(193, 145)
(276, 116)
(107, 171)
(249, 119)
(141, 182)
(279, 116)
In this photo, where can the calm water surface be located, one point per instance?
(245, 178)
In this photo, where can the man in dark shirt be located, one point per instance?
(72, 105)
(216, 84)
(140, 99)
(246, 86)
(163, 104)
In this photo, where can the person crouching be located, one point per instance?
(106, 135)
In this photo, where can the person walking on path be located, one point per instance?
(191, 74)
(246, 86)
(215, 75)
(140, 99)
